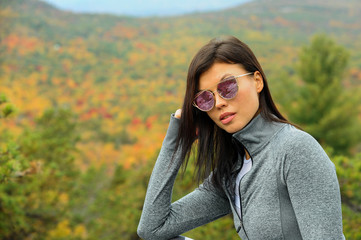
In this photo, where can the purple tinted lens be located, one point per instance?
(228, 89)
(205, 101)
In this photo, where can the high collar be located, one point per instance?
(257, 134)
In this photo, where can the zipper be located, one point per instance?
(240, 200)
(240, 195)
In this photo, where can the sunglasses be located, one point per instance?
(226, 88)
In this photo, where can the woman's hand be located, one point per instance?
(178, 113)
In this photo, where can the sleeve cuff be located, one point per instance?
(172, 132)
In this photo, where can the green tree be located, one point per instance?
(53, 140)
(6, 110)
(10, 160)
(322, 105)
(348, 172)
(38, 176)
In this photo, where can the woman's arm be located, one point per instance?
(313, 189)
(162, 219)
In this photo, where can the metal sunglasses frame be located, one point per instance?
(223, 80)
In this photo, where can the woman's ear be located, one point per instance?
(258, 80)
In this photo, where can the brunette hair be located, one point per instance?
(215, 151)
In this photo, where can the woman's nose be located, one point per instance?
(220, 102)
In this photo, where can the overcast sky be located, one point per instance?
(143, 8)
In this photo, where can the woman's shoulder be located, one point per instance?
(291, 139)
(299, 152)
(301, 148)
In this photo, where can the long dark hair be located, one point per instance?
(215, 151)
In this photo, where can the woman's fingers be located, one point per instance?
(178, 113)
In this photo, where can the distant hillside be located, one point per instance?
(271, 23)
(275, 17)
(303, 17)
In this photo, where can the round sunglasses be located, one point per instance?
(226, 88)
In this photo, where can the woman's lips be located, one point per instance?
(227, 117)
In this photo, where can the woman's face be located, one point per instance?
(232, 115)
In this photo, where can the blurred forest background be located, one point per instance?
(85, 101)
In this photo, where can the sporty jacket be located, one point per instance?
(291, 191)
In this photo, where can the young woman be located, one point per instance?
(275, 179)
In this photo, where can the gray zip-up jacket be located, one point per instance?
(291, 191)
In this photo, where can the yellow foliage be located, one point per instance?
(349, 193)
(80, 231)
(56, 81)
(7, 13)
(71, 83)
(98, 154)
(62, 230)
(50, 196)
(63, 198)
